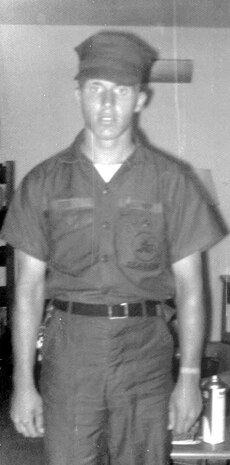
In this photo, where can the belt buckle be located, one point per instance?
(125, 305)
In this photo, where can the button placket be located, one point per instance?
(105, 225)
(106, 233)
(106, 190)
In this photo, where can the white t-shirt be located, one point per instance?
(107, 171)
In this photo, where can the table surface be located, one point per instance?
(204, 450)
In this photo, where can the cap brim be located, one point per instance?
(114, 75)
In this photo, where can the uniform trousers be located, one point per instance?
(105, 385)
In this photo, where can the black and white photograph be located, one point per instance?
(114, 232)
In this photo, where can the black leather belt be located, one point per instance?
(123, 310)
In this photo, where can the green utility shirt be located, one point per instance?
(111, 242)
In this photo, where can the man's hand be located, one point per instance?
(27, 412)
(185, 404)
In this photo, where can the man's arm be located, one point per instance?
(26, 405)
(186, 403)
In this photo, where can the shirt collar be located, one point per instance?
(73, 154)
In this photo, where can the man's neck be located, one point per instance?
(107, 151)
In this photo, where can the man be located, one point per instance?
(105, 231)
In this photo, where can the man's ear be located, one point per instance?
(141, 100)
(78, 91)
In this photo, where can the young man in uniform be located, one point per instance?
(105, 231)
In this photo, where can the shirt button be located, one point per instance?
(106, 190)
(104, 258)
(105, 225)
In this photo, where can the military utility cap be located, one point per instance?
(115, 56)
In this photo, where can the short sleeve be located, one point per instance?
(25, 225)
(194, 223)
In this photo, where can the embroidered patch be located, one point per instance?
(75, 202)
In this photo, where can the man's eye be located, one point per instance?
(95, 88)
(122, 90)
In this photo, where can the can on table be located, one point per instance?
(214, 414)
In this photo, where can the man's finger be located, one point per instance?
(39, 425)
(22, 428)
(26, 427)
(172, 416)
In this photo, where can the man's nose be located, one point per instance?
(108, 97)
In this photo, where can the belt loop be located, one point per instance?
(144, 308)
(159, 309)
(69, 309)
(48, 309)
(68, 326)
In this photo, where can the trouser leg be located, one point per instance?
(72, 387)
(141, 437)
(105, 386)
(139, 389)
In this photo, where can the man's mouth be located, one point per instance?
(107, 118)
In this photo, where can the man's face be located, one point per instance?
(108, 108)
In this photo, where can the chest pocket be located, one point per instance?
(71, 226)
(140, 238)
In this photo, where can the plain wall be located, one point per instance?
(39, 113)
